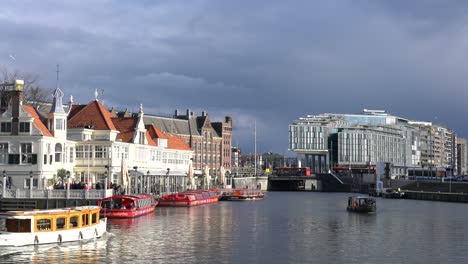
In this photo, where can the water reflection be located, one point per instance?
(283, 228)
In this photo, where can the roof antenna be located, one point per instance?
(58, 70)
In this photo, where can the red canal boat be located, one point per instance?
(189, 198)
(244, 194)
(127, 206)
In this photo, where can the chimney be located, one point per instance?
(17, 101)
(228, 119)
(188, 113)
(203, 113)
(176, 114)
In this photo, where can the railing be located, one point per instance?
(56, 194)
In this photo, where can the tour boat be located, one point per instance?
(361, 204)
(189, 198)
(127, 206)
(37, 227)
(244, 194)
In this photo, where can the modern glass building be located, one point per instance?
(363, 140)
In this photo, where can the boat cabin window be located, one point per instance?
(17, 225)
(60, 223)
(43, 224)
(74, 221)
(106, 204)
(94, 218)
(85, 219)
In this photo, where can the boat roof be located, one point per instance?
(49, 211)
(132, 196)
(361, 197)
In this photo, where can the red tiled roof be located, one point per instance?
(126, 126)
(173, 141)
(37, 120)
(94, 113)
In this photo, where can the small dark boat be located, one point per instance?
(361, 204)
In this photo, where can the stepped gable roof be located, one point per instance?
(37, 120)
(95, 114)
(126, 126)
(173, 141)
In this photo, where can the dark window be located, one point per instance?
(85, 219)
(13, 159)
(25, 127)
(61, 223)
(45, 158)
(6, 127)
(73, 221)
(94, 218)
(43, 224)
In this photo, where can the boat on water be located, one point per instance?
(243, 194)
(361, 204)
(37, 227)
(127, 206)
(190, 198)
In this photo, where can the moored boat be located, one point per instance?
(361, 204)
(242, 194)
(189, 198)
(127, 206)
(22, 228)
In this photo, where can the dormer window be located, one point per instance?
(5, 127)
(25, 127)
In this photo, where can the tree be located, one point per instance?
(33, 94)
(62, 174)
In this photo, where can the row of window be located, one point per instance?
(24, 127)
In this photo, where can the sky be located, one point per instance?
(264, 63)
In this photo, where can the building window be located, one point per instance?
(142, 137)
(100, 152)
(71, 155)
(5, 127)
(3, 153)
(60, 124)
(26, 153)
(58, 152)
(25, 127)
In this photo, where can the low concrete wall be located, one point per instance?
(251, 182)
(437, 196)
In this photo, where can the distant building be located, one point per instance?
(462, 156)
(211, 142)
(329, 141)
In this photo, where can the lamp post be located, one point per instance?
(4, 183)
(136, 178)
(68, 185)
(107, 172)
(149, 183)
(166, 182)
(30, 184)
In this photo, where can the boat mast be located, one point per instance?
(255, 146)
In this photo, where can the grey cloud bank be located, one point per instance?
(269, 61)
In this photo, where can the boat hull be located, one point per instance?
(186, 203)
(40, 238)
(124, 213)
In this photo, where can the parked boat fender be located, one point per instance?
(36, 240)
(59, 239)
(95, 233)
(80, 236)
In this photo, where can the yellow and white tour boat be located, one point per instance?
(22, 228)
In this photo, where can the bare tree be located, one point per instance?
(33, 94)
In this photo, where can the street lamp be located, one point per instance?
(167, 180)
(4, 183)
(30, 184)
(148, 182)
(105, 178)
(68, 184)
(136, 178)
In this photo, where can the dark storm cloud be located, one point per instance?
(268, 62)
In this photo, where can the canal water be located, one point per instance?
(285, 227)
